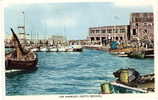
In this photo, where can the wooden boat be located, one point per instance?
(125, 50)
(19, 58)
(142, 53)
(136, 55)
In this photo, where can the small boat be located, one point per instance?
(53, 49)
(62, 49)
(77, 48)
(129, 81)
(70, 49)
(43, 49)
(35, 49)
(137, 54)
(20, 59)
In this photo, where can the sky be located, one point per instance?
(71, 20)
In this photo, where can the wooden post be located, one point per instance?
(106, 88)
(124, 76)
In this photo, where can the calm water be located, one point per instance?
(72, 73)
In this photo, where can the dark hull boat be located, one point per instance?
(20, 64)
(20, 59)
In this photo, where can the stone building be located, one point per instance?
(57, 39)
(105, 34)
(142, 26)
(78, 42)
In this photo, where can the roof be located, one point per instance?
(109, 26)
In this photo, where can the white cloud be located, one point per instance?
(60, 22)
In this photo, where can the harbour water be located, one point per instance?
(72, 73)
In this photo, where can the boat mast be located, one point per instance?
(24, 24)
(21, 28)
(19, 49)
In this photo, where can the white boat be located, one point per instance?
(70, 49)
(77, 48)
(34, 49)
(44, 49)
(62, 49)
(53, 49)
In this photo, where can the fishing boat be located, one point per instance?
(19, 58)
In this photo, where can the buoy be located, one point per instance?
(124, 76)
(106, 88)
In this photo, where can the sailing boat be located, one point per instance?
(20, 59)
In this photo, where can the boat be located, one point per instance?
(43, 49)
(35, 49)
(136, 55)
(69, 49)
(77, 48)
(142, 53)
(129, 81)
(19, 58)
(62, 49)
(52, 49)
(149, 53)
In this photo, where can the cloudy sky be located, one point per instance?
(69, 19)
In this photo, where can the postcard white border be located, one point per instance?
(149, 96)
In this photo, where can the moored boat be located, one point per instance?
(77, 48)
(35, 49)
(43, 49)
(129, 81)
(53, 49)
(62, 49)
(70, 49)
(20, 58)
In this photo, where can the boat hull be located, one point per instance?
(21, 65)
(77, 50)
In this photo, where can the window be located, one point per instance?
(150, 24)
(92, 38)
(145, 31)
(138, 19)
(109, 30)
(116, 38)
(115, 31)
(121, 38)
(103, 31)
(145, 24)
(137, 24)
(122, 30)
(134, 32)
(97, 31)
(97, 38)
(92, 31)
